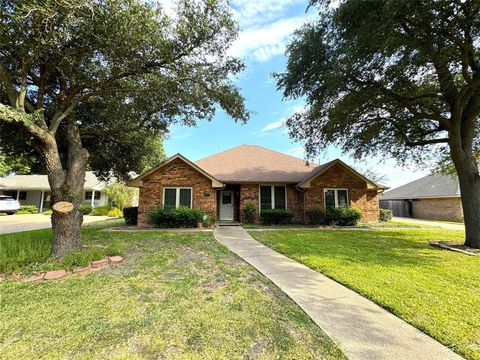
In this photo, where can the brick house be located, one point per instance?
(435, 197)
(222, 184)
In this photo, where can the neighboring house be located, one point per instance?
(435, 197)
(35, 190)
(223, 183)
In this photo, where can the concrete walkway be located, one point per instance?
(430, 223)
(362, 329)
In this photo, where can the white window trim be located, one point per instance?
(272, 189)
(177, 195)
(335, 190)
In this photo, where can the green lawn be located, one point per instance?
(437, 291)
(361, 225)
(176, 296)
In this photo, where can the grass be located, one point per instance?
(437, 291)
(29, 251)
(176, 296)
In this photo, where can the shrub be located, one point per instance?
(115, 212)
(130, 214)
(249, 212)
(385, 214)
(342, 216)
(48, 212)
(316, 216)
(175, 218)
(107, 211)
(28, 209)
(276, 216)
(86, 209)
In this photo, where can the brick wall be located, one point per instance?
(449, 209)
(248, 194)
(359, 196)
(175, 174)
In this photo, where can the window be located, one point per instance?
(273, 197)
(177, 197)
(335, 198)
(88, 195)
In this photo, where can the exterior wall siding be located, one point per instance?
(175, 174)
(448, 209)
(359, 195)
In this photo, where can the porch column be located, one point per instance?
(41, 200)
(18, 195)
(93, 198)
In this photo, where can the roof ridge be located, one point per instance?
(312, 164)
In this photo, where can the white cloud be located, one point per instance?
(273, 125)
(298, 151)
(254, 12)
(264, 42)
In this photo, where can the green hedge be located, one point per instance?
(111, 211)
(175, 218)
(130, 214)
(385, 214)
(334, 217)
(86, 209)
(276, 216)
(27, 209)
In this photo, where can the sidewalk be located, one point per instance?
(430, 223)
(362, 329)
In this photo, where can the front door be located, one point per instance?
(226, 205)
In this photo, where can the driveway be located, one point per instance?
(18, 223)
(439, 224)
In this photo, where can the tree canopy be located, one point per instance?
(383, 76)
(96, 83)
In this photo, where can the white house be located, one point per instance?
(35, 190)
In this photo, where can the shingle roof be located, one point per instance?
(252, 163)
(40, 182)
(431, 186)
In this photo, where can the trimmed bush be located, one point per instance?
(48, 212)
(86, 209)
(342, 216)
(175, 218)
(316, 216)
(130, 214)
(115, 212)
(249, 212)
(385, 215)
(106, 210)
(27, 209)
(276, 216)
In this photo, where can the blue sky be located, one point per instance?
(265, 30)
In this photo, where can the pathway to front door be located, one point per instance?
(362, 329)
(226, 205)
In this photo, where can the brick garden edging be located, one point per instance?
(59, 274)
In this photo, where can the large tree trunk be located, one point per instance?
(470, 189)
(66, 185)
(461, 137)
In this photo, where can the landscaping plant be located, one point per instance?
(385, 214)
(249, 212)
(316, 216)
(276, 216)
(182, 217)
(27, 209)
(342, 216)
(86, 209)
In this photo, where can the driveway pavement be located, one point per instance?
(18, 223)
(362, 329)
(431, 223)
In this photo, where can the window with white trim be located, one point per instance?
(273, 197)
(336, 198)
(175, 197)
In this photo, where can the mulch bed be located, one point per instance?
(455, 247)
